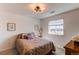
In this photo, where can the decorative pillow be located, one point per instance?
(19, 36)
(31, 35)
(22, 36)
(26, 36)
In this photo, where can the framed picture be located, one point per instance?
(11, 26)
(36, 27)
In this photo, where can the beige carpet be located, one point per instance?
(60, 51)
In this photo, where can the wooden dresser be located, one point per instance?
(71, 49)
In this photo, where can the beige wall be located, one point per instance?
(24, 24)
(71, 27)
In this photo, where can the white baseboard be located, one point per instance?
(6, 49)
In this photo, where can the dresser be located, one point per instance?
(71, 49)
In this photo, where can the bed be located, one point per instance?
(34, 46)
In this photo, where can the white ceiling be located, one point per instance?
(52, 9)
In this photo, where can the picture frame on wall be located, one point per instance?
(36, 27)
(11, 26)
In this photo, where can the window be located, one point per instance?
(56, 27)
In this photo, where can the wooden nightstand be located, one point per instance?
(71, 49)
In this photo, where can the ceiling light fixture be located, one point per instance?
(38, 7)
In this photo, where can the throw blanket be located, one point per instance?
(34, 46)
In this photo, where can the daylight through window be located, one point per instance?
(56, 27)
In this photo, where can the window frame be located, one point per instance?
(56, 30)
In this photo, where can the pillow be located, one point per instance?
(26, 35)
(22, 36)
(31, 35)
(19, 36)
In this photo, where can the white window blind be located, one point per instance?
(56, 27)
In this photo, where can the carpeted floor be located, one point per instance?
(58, 51)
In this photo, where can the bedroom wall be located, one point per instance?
(71, 27)
(24, 24)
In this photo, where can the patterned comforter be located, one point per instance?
(34, 46)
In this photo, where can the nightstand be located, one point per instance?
(71, 49)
